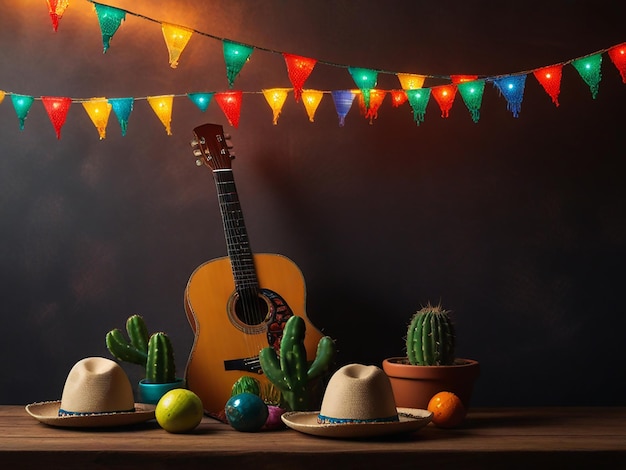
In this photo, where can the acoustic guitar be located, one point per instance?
(238, 304)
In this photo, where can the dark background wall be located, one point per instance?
(517, 225)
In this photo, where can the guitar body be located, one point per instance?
(219, 337)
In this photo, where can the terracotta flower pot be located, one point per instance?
(414, 386)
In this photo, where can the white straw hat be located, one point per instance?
(97, 393)
(358, 402)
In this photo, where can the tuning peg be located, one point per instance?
(199, 162)
(194, 143)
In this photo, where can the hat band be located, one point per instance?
(321, 419)
(63, 412)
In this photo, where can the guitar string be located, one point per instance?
(236, 238)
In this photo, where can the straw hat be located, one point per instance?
(358, 402)
(97, 393)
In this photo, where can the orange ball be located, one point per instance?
(448, 410)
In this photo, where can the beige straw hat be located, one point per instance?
(97, 393)
(358, 402)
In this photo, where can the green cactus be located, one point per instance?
(430, 337)
(135, 351)
(160, 367)
(290, 372)
(154, 353)
(246, 384)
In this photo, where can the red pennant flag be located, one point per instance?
(230, 103)
(298, 68)
(550, 80)
(444, 95)
(398, 98)
(56, 8)
(456, 79)
(57, 108)
(617, 55)
(376, 99)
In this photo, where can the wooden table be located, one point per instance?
(561, 438)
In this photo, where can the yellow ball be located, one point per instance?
(179, 410)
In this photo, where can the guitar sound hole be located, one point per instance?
(251, 309)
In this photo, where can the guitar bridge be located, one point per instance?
(247, 364)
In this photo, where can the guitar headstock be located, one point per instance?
(211, 148)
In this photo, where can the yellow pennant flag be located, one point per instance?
(311, 100)
(176, 39)
(276, 97)
(98, 110)
(162, 107)
(409, 81)
(2, 93)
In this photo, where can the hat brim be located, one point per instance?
(410, 420)
(48, 413)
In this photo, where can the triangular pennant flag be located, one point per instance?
(122, 107)
(311, 100)
(512, 88)
(418, 99)
(162, 107)
(56, 8)
(617, 55)
(376, 99)
(298, 68)
(110, 20)
(550, 80)
(444, 95)
(472, 94)
(22, 104)
(98, 110)
(589, 70)
(398, 98)
(57, 108)
(235, 56)
(410, 81)
(276, 97)
(456, 79)
(230, 103)
(2, 94)
(365, 79)
(201, 100)
(176, 38)
(343, 102)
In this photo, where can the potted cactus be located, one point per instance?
(154, 353)
(430, 365)
(290, 372)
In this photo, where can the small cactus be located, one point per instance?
(134, 351)
(430, 337)
(160, 367)
(290, 372)
(154, 353)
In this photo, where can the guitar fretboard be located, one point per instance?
(237, 242)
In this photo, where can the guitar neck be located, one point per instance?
(237, 242)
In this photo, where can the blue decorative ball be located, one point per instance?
(246, 412)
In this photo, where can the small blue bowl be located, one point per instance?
(151, 393)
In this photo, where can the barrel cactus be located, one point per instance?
(290, 372)
(154, 353)
(430, 339)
